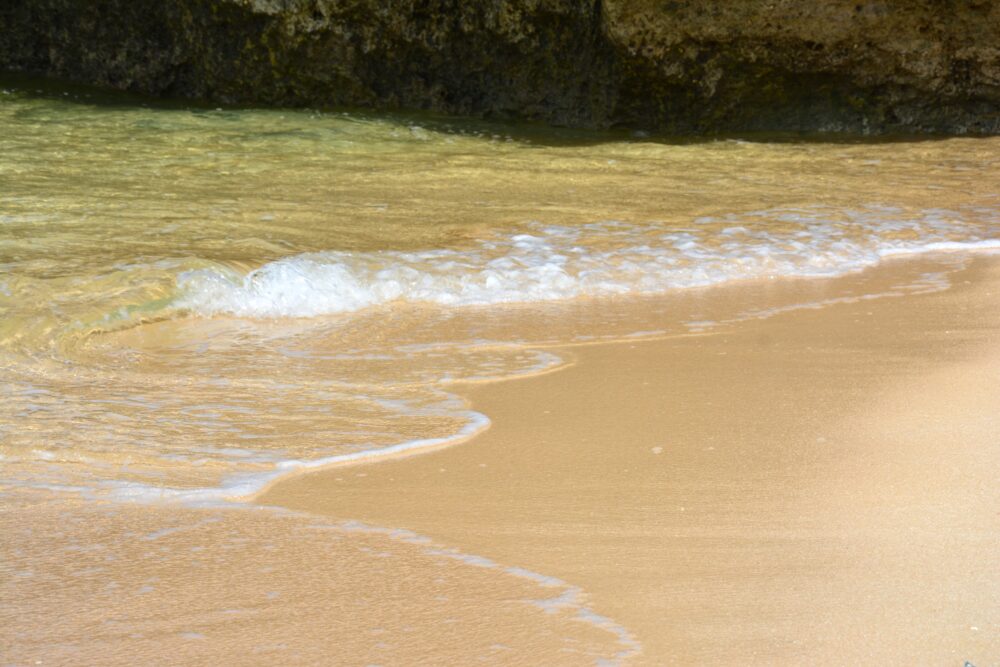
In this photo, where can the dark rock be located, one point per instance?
(868, 66)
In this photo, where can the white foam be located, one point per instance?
(600, 259)
(569, 598)
(248, 484)
(944, 246)
(544, 580)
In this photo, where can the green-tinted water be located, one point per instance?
(194, 301)
(390, 236)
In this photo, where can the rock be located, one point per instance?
(864, 66)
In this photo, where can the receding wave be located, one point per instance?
(546, 263)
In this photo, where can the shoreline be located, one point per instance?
(643, 474)
(899, 274)
(725, 444)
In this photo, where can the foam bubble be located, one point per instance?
(601, 259)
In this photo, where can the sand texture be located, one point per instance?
(816, 487)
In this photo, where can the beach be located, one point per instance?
(818, 486)
(316, 386)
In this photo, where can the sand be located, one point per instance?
(118, 584)
(817, 487)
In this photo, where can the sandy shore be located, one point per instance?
(121, 585)
(818, 487)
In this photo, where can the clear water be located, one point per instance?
(194, 301)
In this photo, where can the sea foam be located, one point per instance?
(547, 263)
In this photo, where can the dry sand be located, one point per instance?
(818, 487)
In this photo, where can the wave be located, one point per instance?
(548, 263)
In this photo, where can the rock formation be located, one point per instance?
(861, 66)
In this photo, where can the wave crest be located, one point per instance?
(601, 259)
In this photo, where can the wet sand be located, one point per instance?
(818, 487)
(120, 584)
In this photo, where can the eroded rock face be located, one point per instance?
(676, 65)
(850, 65)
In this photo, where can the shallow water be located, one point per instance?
(195, 300)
